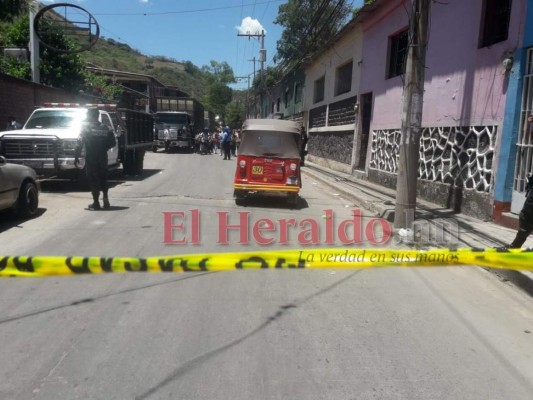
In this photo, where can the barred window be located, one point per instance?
(343, 79)
(399, 45)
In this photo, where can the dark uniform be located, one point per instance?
(226, 143)
(525, 219)
(97, 140)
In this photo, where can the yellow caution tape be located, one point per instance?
(514, 259)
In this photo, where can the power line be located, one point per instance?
(150, 14)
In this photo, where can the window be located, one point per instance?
(495, 23)
(399, 45)
(278, 104)
(287, 97)
(319, 90)
(298, 93)
(343, 78)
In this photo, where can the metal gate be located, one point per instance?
(524, 153)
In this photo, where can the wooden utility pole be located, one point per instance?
(413, 98)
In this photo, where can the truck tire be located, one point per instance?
(28, 201)
(139, 162)
(128, 163)
(133, 163)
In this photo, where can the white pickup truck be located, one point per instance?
(48, 140)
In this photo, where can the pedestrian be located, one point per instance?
(237, 140)
(233, 143)
(525, 219)
(303, 142)
(97, 139)
(216, 141)
(226, 143)
(12, 124)
(166, 136)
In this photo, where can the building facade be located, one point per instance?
(467, 79)
(331, 92)
(516, 147)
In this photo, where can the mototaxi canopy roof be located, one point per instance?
(270, 138)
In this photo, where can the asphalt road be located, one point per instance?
(449, 333)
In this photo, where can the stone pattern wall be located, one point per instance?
(317, 117)
(342, 112)
(335, 146)
(458, 156)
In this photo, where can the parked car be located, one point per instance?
(19, 189)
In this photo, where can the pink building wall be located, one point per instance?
(464, 85)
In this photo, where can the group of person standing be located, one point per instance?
(227, 142)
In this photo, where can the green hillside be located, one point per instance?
(108, 53)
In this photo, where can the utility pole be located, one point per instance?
(255, 90)
(262, 55)
(262, 50)
(247, 93)
(413, 98)
(253, 60)
(34, 44)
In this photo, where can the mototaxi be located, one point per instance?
(268, 161)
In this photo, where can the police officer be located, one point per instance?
(525, 219)
(13, 124)
(97, 140)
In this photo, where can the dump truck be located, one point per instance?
(182, 117)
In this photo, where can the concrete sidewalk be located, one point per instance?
(380, 201)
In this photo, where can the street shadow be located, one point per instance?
(420, 214)
(97, 298)
(273, 203)
(9, 220)
(112, 208)
(195, 362)
(69, 186)
(147, 173)
(115, 178)
(174, 150)
(454, 199)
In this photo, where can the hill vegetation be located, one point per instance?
(111, 54)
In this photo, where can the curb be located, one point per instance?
(521, 279)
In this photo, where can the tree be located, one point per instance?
(219, 72)
(99, 86)
(235, 114)
(308, 26)
(11, 8)
(356, 10)
(218, 97)
(270, 77)
(60, 70)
